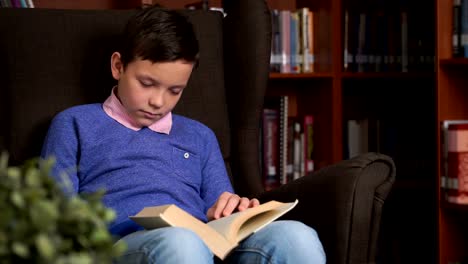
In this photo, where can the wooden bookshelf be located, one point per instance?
(403, 102)
(452, 96)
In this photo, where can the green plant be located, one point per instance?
(40, 224)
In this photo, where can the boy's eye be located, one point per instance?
(176, 91)
(145, 84)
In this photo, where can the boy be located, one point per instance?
(143, 155)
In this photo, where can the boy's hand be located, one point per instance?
(228, 203)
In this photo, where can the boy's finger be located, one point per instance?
(243, 204)
(221, 204)
(254, 202)
(231, 205)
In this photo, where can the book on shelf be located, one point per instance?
(302, 146)
(17, 3)
(366, 135)
(275, 141)
(285, 33)
(307, 47)
(454, 175)
(457, 50)
(270, 148)
(275, 58)
(404, 41)
(358, 137)
(293, 37)
(382, 39)
(464, 27)
(308, 143)
(221, 235)
(297, 143)
(287, 143)
(283, 138)
(295, 48)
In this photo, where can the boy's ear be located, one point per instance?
(116, 65)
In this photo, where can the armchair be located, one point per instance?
(53, 59)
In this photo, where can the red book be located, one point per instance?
(308, 143)
(457, 159)
(270, 137)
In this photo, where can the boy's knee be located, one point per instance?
(295, 229)
(181, 239)
(301, 240)
(173, 244)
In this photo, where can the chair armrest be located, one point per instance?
(343, 203)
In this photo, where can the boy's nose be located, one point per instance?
(156, 100)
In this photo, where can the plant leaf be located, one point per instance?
(44, 246)
(20, 249)
(17, 199)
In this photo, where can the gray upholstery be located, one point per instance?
(53, 59)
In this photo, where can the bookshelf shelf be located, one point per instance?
(388, 75)
(315, 75)
(454, 61)
(457, 208)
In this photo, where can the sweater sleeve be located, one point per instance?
(215, 179)
(61, 143)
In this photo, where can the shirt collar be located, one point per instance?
(114, 108)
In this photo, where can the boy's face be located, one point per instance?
(147, 90)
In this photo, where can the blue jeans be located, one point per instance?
(279, 242)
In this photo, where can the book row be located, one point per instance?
(460, 29)
(17, 3)
(293, 41)
(288, 151)
(286, 144)
(385, 41)
(454, 148)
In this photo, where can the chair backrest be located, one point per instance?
(53, 59)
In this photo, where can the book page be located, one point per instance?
(171, 215)
(260, 221)
(239, 225)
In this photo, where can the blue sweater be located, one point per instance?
(137, 168)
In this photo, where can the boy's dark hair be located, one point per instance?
(159, 35)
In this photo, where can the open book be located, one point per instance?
(220, 235)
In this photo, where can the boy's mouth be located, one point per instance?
(149, 114)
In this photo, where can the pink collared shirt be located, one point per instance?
(114, 108)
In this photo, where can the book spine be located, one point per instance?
(456, 29)
(297, 150)
(283, 151)
(361, 56)
(404, 41)
(285, 32)
(275, 59)
(308, 143)
(346, 51)
(457, 159)
(270, 148)
(290, 150)
(305, 47)
(464, 27)
(294, 40)
(311, 32)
